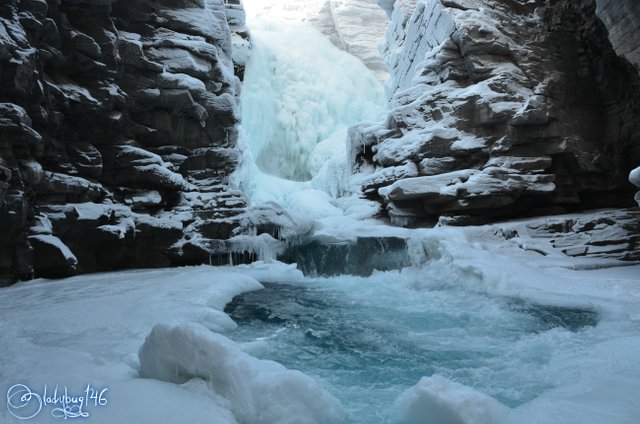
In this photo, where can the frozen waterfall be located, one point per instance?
(301, 93)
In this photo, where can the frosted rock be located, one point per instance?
(360, 27)
(202, 22)
(85, 44)
(157, 76)
(41, 225)
(15, 120)
(608, 234)
(71, 187)
(468, 190)
(389, 175)
(181, 61)
(131, 52)
(140, 168)
(52, 256)
(468, 82)
(425, 187)
(521, 164)
(143, 200)
(428, 27)
(194, 44)
(435, 166)
(30, 171)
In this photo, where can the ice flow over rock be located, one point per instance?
(300, 90)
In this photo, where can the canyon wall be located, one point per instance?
(118, 133)
(622, 20)
(119, 122)
(503, 108)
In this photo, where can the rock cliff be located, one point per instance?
(119, 123)
(502, 108)
(118, 132)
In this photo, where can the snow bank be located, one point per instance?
(634, 178)
(88, 329)
(438, 400)
(256, 391)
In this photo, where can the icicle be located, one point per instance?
(416, 251)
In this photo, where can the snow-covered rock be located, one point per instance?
(52, 256)
(115, 103)
(489, 90)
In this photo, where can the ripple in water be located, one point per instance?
(369, 340)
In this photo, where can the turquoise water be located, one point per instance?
(369, 339)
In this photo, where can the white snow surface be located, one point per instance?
(634, 177)
(445, 401)
(89, 329)
(256, 391)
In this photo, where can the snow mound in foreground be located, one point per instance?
(439, 400)
(256, 391)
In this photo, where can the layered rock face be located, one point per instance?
(118, 133)
(622, 19)
(502, 108)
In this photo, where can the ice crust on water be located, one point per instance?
(436, 399)
(87, 329)
(566, 371)
(256, 391)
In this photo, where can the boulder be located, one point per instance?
(68, 188)
(135, 167)
(52, 258)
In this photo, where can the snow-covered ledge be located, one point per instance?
(634, 177)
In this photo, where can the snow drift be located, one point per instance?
(256, 391)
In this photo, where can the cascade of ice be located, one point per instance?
(301, 94)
